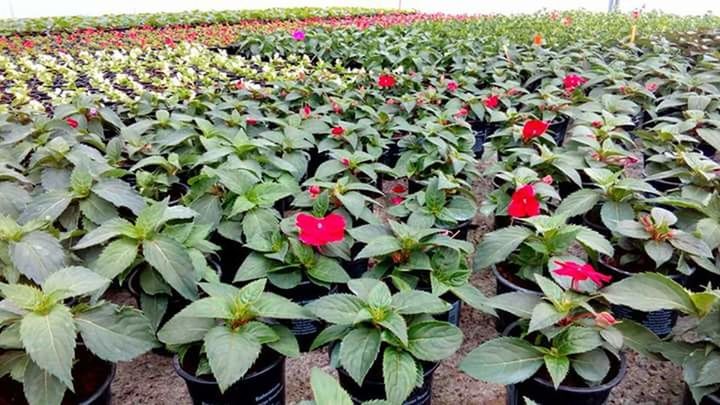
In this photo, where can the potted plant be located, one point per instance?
(229, 347)
(58, 345)
(327, 391)
(511, 187)
(652, 244)
(373, 321)
(562, 350)
(694, 347)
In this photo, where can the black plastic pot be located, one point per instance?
(543, 392)
(559, 127)
(504, 284)
(177, 191)
(460, 232)
(706, 149)
(592, 220)
(666, 185)
(316, 158)
(232, 254)
(481, 132)
(659, 322)
(374, 386)
(356, 267)
(453, 315)
(700, 278)
(710, 399)
(305, 330)
(391, 155)
(92, 379)
(264, 384)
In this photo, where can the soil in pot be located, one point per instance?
(374, 385)
(505, 282)
(659, 322)
(573, 390)
(305, 330)
(92, 378)
(710, 399)
(263, 384)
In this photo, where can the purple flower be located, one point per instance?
(298, 35)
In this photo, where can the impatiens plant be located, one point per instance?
(230, 328)
(559, 332)
(695, 347)
(654, 236)
(525, 250)
(521, 189)
(327, 391)
(41, 328)
(375, 326)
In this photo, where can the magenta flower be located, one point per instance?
(299, 35)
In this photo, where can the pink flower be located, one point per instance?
(306, 111)
(492, 101)
(299, 35)
(651, 87)
(320, 231)
(573, 81)
(452, 86)
(523, 203)
(580, 272)
(567, 21)
(345, 162)
(337, 131)
(398, 188)
(314, 191)
(397, 200)
(72, 122)
(547, 180)
(597, 124)
(462, 112)
(250, 121)
(533, 129)
(386, 81)
(605, 320)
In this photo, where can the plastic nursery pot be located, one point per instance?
(92, 379)
(540, 388)
(263, 384)
(481, 131)
(592, 220)
(374, 385)
(710, 399)
(559, 127)
(460, 231)
(232, 255)
(356, 267)
(305, 330)
(177, 191)
(665, 185)
(506, 282)
(700, 278)
(659, 322)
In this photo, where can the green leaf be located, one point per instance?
(543, 316)
(632, 229)
(710, 136)
(358, 352)
(659, 251)
(337, 308)
(326, 390)
(115, 334)
(171, 260)
(24, 296)
(658, 292)
(496, 246)
(557, 367)
(41, 387)
(37, 255)
(399, 374)
(274, 306)
(433, 340)
(579, 202)
(287, 344)
(49, 340)
(253, 267)
(104, 232)
(592, 366)
(577, 339)
(612, 212)
(209, 307)
(97, 210)
(638, 338)
(329, 334)
(595, 241)
(182, 330)
(690, 244)
(396, 324)
(117, 256)
(120, 194)
(328, 270)
(519, 304)
(411, 302)
(74, 281)
(47, 207)
(230, 354)
(379, 246)
(505, 360)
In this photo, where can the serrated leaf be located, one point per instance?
(104, 232)
(358, 351)
(658, 292)
(49, 340)
(115, 334)
(505, 360)
(557, 367)
(37, 255)
(579, 202)
(74, 281)
(592, 366)
(171, 260)
(41, 387)
(47, 206)
(230, 354)
(496, 246)
(117, 256)
(274, 306)
(337, 308)
(326, 389)
(399, 374)
(433, 340)
(411, 302)
(119, 194)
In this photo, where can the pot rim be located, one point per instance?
(104, 386)
(197, 380)
(615, 381)
(675, 276)
(501, 279)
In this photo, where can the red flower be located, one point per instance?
(345, 162)
(533, 129)
(239, 85)
(337, 108)
(452, 85)
(537, 40)
(492, 101)
(72, 122)
(250, 121)
(306, 111)
(385, 81)
(314, 191)
(523, 203)
(462, 112)
(605, 319)
(399, 189)
(320, 231)
(572, 82)
(597, 124)
(397, 200)
(28, 44)
(581, 272)
(337, 132)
